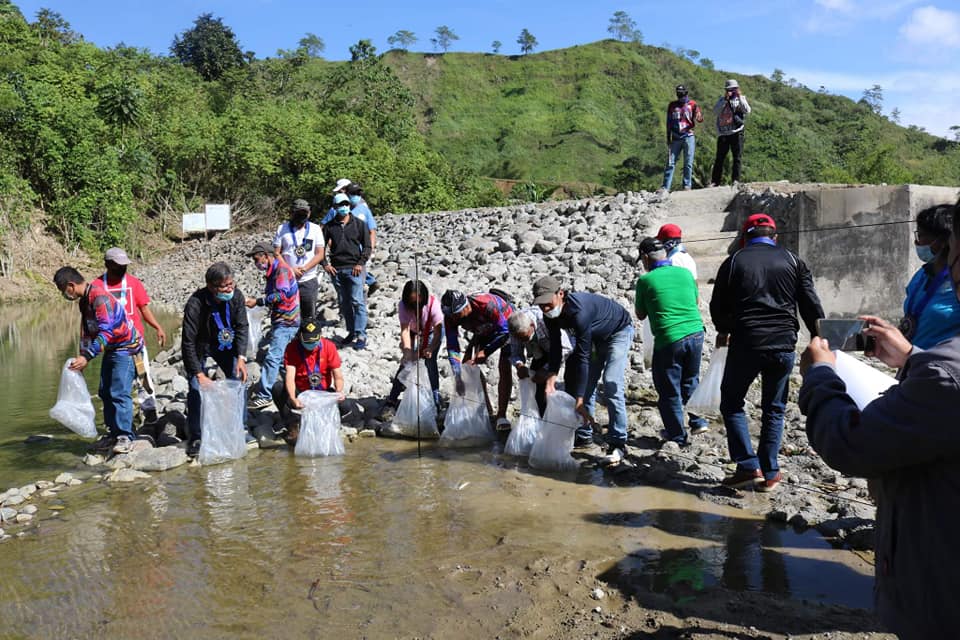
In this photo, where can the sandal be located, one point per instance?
(503, 424)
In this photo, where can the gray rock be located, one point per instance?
(159, 459)
(163, 375)
(14, 500)
(44, 484)
(63, 478)
(23, 518)
(7, 514)
(544, 246)
(126, 475)
(28, 490)
(180, 385)
(29, 509)
(48, 493)
(92, 459)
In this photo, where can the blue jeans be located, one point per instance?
(116, 378)
(611, 360)
(743, 366)
(226, 361)
(676, 372)
(280, 337)
(687, 144)
(370, 280)
(353, 302)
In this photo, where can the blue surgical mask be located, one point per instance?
(925, 252)
(225, 296)
(342, 211)
(355, 200)
(309, 346)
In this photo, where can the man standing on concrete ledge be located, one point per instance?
(683, 114)
(347, 252)
(598, 326)
(731, 111)
(667, 295)
(754, 307)
(300, 244)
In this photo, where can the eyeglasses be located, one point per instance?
(226, 285)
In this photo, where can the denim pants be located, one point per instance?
(676, 372)
(226, 361)
(743, 366)
(611, 360)
(353, 302)
(116, 379)
(280, 337)
(687, 145)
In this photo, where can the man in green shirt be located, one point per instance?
(667, 295)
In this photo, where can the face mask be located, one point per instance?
(298, 219)
(555, 312)
(224, 297)
(309, 346)
(925, 252)
(117, 272)
(342, 212)
(355, 200)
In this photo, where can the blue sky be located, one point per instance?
(909, 47)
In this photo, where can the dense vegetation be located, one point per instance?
(110, 145)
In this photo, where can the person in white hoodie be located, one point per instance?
(671, 237)
(731, 111)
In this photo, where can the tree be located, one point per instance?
(956, 132)
(895, 116)
(363, 51)
(527, 42)
(445, 37)
(623, 27)
(210, 48)
(873, 98)
(707, 63)
(312, 44)
(495, 45)
(52, 27)
(402, 39)
(120, 103)
(777, 76)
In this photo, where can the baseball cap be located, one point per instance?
(260, 247)
(544, 289)
(116, 255)
(342, 183)
(340, 198)
(300, 205)
(650, 245)
(310, 332)
(669, 232)
(758, 220)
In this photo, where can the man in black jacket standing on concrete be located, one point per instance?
(754, 307)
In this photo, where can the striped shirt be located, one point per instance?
(282, 295)
(105, 326)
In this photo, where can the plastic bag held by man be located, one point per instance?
(468, 422)
(416, 402)
(255, 318)
(525, 432)
(319, 425)
(705, 401)
(74, 409)
(221, 422)
(647, 335)
(551, 451)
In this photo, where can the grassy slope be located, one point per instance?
(574, 114)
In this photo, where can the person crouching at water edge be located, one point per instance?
(485, 315)
(529, 337)
(215, 326)
(310, 363)
(421, 330)
(106, 329)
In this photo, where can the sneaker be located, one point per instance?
(372, 289)
(687, 188)
(503, 424)
(742, 479)
(251, 440)
(615, 455)
(103, 445)
(769, 486)
(698, 429)
(360, 344)
(193, 449)
(582, 443)
(259, 402)
(347, 339)
(124, 445)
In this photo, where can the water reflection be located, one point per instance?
(229, 505)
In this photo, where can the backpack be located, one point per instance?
(504, 295)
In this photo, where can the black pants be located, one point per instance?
(308, 300)
(733, 143)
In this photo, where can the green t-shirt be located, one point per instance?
(668, 296)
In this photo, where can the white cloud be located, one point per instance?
(932, 28)
(843, 6)
(842, 16)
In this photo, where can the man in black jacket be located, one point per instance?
(754, 307)
(214, 325)
(347, 252)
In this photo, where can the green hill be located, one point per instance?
(596, 113)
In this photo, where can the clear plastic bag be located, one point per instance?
(221, 422)
(255, 318)
(409, 410)
(74, 409)
(319, 425)
(705, 400)
(647, 333)
(525, 432)
(468, 422)
(551, 451)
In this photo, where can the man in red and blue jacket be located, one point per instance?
(683, 114)
(282, 295)
(105, 329)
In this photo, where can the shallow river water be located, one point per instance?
(377, 543)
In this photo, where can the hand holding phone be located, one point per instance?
(846, 335)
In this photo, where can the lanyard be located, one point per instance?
(313, 375)
(298, 249)
(762, 240)
(225, 335)
(662, 263)
(917, 309)
(123, 290)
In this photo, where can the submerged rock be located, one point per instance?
(159, 459)
(127, 475)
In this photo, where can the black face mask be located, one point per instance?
(298, 219)
(118, 271)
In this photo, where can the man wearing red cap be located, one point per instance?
(671, 237)
(754, 308)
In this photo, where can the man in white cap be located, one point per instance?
(130, 292)
(731, 111)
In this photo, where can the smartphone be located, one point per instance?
(845, 335)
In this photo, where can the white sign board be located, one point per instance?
(194, 223)
(218, 217)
